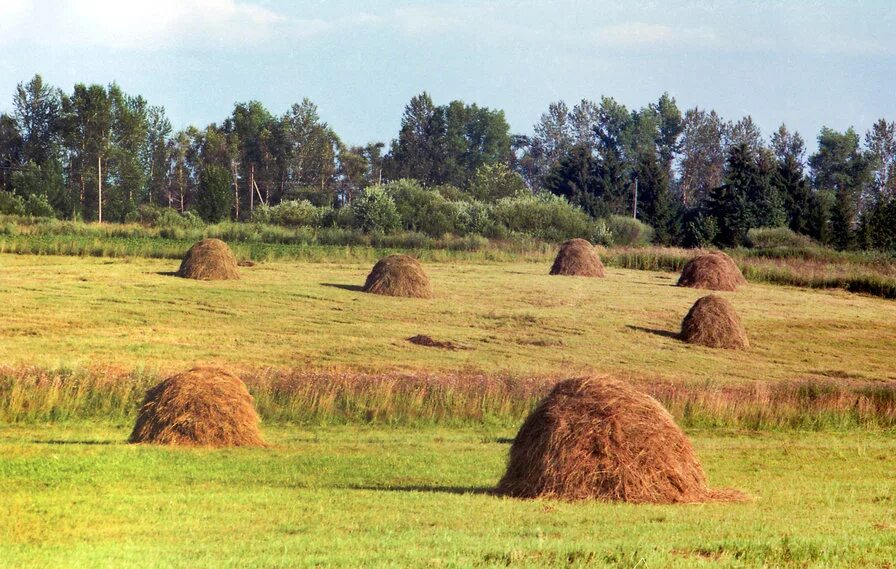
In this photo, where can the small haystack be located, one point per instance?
(209, 260)
(713, 271)
(714, 323)
(205, 406)
(577, 258)
(600, 439)
(398, 275)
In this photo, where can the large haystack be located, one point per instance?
(713, 322)
(398, 275)
(713, 271)
(205, 406)
(577, 258)
(209, 260)
(600, 439)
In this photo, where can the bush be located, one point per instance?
(292, 213)
(11, 204)
(492, 182)
(543, 215)
(628, 231)
(776, 237)
(422, 209)
(473, 217)
(37, 205)
(601, 233)
(374, 211)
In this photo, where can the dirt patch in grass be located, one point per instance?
(430, 342)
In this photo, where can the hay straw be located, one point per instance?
(714, 323)
(577, 258)
(205, 406)
(398, 275)
(597, 438)
(209, 260)
(713, 271)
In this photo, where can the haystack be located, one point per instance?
(597, 438)
(577, 258)
(713, 271)
(398, 275)
(713, 322)
(205, 406)
(209, 260)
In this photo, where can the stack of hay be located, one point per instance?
(714, 323)
(398, 275)
(577, 258)
(205, 406)
(713, 271)
(597, 438)
(209, 260)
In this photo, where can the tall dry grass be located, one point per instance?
(326, 397)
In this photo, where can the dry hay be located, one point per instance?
(398, 275)
(209, 260)
(713, 271)
(713, 322)
(205, 406)
(597, 438)
(430, 342)
(577, 258)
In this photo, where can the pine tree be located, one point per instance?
(654, 196)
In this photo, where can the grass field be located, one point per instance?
(383, 453)
(79, 497)
(511, 317)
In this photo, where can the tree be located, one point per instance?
(492, 182)
(729, 203)
(655, 206)
(11, 150)
(702, 165)
(574, 178)
(45, 182)
(613, 168)
(671, 126)
(880, 142)
(840, 167)
(37, 109)
(87, 117)
(213, 201)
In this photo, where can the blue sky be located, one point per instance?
(807, 63)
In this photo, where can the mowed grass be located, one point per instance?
(511, 318)
(351, 497)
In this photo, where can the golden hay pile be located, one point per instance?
(205, 406)
(398, 275)
(597, 438)
(577, 258)
(713, 322)
(209, 260)
(713, 271)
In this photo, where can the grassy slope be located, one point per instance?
(351, 497)
(74, 311)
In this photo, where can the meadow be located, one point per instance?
(384, 453)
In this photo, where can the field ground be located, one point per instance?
(513, 318)
(317, 352)
(348, 496)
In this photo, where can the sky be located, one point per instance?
(805, 63)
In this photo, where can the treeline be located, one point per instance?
(695, 178)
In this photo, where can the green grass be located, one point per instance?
(350, 497)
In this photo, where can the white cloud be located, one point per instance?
(638, 34)
(159, 24)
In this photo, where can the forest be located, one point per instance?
(687, 177)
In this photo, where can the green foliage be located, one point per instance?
(214, 200)
(701, 230)
(492, 182)
(543, 215)
(11, 204)
(422, 209)
(374, 210)
(878, 227)
(629, 232)
(293, 213)
(776, 237)
(473, 217)
(37, 206)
